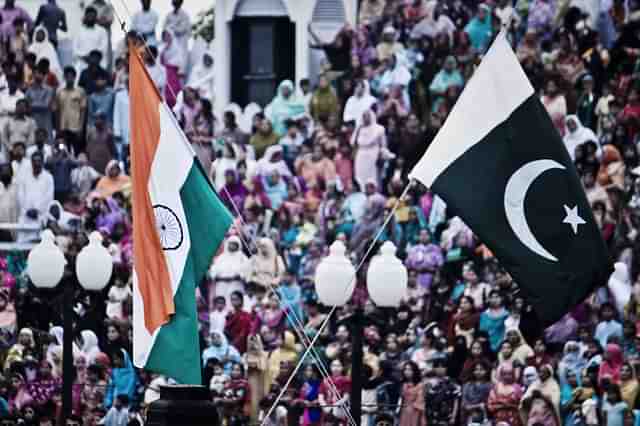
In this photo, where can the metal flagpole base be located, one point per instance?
(183, 405)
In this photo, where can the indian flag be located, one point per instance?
(178, 224)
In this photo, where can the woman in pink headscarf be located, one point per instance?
(611, 364)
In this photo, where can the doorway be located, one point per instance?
(262, 55)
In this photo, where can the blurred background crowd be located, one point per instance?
(325, 160)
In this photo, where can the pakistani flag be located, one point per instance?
(178, 224)
(501, 166)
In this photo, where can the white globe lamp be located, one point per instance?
(387, 277)
(94, 264)
(334, 276)
(45, 263)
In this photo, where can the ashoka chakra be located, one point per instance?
(169, 227)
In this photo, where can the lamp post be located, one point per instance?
(387, 284)
(46, 266)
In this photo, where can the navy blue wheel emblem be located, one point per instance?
(169, 227)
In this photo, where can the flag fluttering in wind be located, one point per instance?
(500, 165)
(178, 224)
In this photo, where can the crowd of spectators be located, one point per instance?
(326, 160)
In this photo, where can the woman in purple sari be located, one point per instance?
(425, 257)
(233, 192)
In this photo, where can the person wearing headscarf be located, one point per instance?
(114, 180)
(521, 350)
(173, 57)
(264, 137)
(505, 397)
(202, 77)
(16, 352)
(90, 349)
(430, 26)
(222, 350)
(284, 106)
(284, 352)
(324, 102)
(541, 402)
(256, 359)
(123, 380)
(572, 360)
(447, 77)
(612, 167)
(267, 267)
(44, 49)
(369, 140)
(396, 75)
(228, 271)
(273, 159)
(480, 28)
(611, 365)
(576, 134)
(358, 103)
(274, 187)
(629, 386)
(219, 167)
(233, 192)
(316, 167)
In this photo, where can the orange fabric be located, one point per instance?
(150, 265)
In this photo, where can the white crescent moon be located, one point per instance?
(514, 195)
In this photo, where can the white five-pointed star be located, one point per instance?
(572, 218)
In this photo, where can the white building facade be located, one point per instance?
(262, 42)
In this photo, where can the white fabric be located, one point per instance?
(121, 116)
(578, 137)
(145, 23)
(356, 106)
(171, 166)
(203, 78)
(45, 49)
(87, 39)
(159, 76)
(620, 286)
(34, 192)
(497, 88)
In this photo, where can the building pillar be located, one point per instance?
(302, 50)
(222, 58)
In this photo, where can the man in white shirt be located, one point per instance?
(179, 22)
(145, 21)
(8, 195)
(35, 193)
(121, 120)
(90, 37)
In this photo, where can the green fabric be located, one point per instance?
(261, 142)
(324, 103)
(176, 350)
